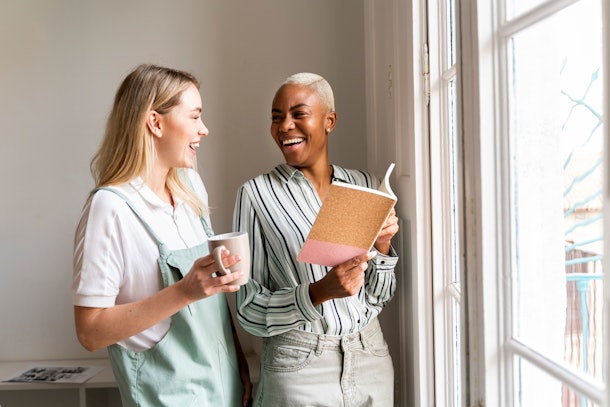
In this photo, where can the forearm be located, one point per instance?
(97, 328)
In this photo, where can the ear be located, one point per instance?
(331, 121)
(153, 122)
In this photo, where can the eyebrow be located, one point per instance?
(292, 108)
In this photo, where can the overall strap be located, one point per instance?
(207, 228)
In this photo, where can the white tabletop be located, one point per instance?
(103, 379)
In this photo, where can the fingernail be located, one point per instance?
(373, 253)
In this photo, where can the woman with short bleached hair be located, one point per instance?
(322, 343)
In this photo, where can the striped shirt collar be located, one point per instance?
(286, 172)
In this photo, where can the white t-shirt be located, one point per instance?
(115, 257)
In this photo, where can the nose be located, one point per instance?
(286, 125)
(203, 130)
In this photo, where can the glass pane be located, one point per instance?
(456, 363)
(556, 175)
(536, 388)
(517, 7)
(451, 39)
(455, 210)
(454, 329)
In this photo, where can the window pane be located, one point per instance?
(450, 26)
(456, 363)
(517, 7)
(455, 159)
(536, 388)
(557, 172)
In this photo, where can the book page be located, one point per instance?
(385, 182)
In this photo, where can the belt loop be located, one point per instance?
(319, 346)
(363, 341)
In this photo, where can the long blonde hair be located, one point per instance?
(127, 150)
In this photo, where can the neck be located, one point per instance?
(158, 184)
(320, 177)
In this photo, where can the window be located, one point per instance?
(501, 193)
(531, 103)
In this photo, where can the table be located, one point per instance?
(103, 379)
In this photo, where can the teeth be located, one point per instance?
(194, 145)
(292, 141)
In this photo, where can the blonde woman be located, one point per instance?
(144, 285)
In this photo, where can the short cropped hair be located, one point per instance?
(317, 83)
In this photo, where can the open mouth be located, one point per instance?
(292, 141)
(194, 146)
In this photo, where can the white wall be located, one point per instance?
(61, 62)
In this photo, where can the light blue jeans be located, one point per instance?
(301, 369)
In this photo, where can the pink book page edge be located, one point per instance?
(327, 254)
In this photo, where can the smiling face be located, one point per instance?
(179, 131)
(300, 124)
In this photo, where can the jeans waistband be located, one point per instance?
(321, 342)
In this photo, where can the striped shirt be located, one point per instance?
(277, 210)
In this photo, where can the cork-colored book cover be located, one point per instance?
(348, 223)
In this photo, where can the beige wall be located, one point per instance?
(61, 62)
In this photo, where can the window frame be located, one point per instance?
(606, 62)
(490, 347)
(441, 73)
(486, 357)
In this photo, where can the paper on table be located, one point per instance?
(56, 374)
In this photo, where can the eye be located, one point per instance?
(275, 118)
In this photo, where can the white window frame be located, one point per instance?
(442, 160)
(487, 363)
(606, 56)
(482, 80)
(482, 338)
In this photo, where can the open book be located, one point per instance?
(348, 223)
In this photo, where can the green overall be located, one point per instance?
(195, 364)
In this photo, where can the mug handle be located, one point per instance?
(217, 253)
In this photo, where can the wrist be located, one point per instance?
(315, 294)
(181, 293)
(383, 248)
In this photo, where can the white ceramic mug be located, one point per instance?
(236, 243)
